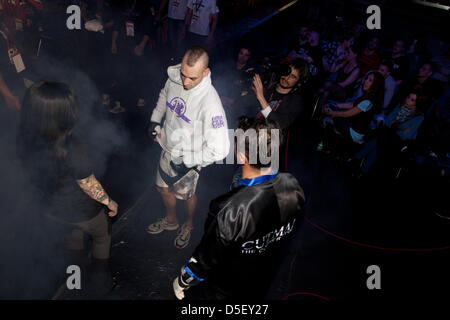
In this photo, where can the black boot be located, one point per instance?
(99, 279)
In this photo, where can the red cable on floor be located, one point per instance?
(373, 246)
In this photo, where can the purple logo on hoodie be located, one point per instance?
(178, 106)
(217, 122)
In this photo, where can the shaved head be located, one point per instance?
(196, 54)
(194, 67)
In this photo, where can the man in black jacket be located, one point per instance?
(246, 228)
(282, 103)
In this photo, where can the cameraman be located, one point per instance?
(282, 103)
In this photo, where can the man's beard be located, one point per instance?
(284, 87)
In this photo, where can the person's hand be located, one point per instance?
(308, 59)
(177, 289)
(12, 101)
(114, 48)
(154, 131)
(139, 50)
(326, 110)
(179, 167)
(258, 87)
(112, 206)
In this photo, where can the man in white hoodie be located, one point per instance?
(194, 135)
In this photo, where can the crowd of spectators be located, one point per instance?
(374, 97)
(378, 100)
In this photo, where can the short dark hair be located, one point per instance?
(432, 65)
(195, 53)
(387, 63)
(302, 67)
(262, 128)
(247, 47)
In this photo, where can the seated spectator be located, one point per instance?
(299, 39)
(422, 81)
(347, 72)
(401, 125)
(390, 84)
(303, 35)
(399, 60)
(368, 59)
(311, 52)
(352, 119)
(336, 51)
(390, 87)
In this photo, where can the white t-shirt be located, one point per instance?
(201, 13)
(177, 9)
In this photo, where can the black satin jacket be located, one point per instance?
(244, 234)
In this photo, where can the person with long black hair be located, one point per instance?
(62, 176)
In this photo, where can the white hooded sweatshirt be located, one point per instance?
(195, 125)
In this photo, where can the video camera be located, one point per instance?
(271, 70)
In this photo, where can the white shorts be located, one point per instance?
(185, 187)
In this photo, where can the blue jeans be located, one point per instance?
(369, 151)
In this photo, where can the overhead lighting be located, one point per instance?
(432, 4)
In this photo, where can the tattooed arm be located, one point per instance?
(94, 189)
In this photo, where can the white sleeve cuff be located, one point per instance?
(265, 112)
